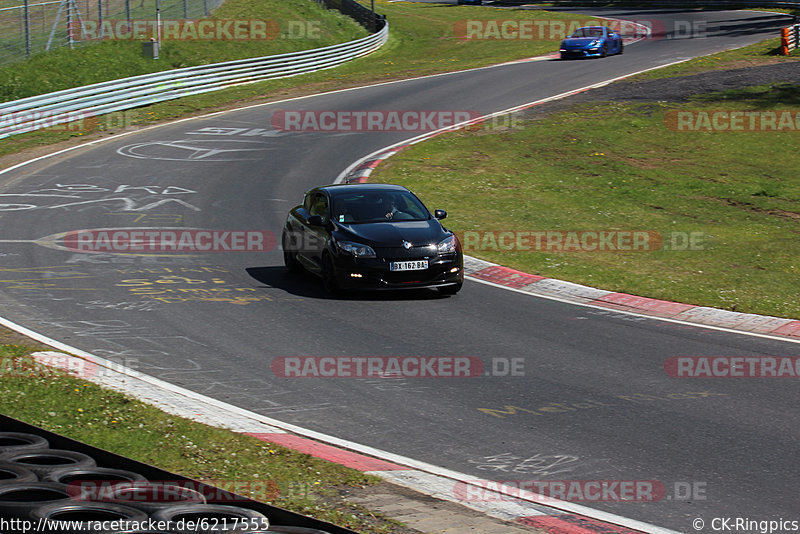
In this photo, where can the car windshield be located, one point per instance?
(377, 206)
(588, 32)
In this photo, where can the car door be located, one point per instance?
(314, 237)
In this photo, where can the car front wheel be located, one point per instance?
(329, 281)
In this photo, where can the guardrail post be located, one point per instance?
(27, 17)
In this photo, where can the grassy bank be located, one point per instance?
(617, 166)
(103, 418)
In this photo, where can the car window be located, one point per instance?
(377, 206)
(319, 205)
(588, 32)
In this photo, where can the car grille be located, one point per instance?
(400, 253)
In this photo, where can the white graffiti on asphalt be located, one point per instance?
(122, 197)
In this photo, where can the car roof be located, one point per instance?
(335, 189)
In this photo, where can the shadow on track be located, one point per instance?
(309, 286)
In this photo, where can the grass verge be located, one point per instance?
(78, 409)
(616, 166)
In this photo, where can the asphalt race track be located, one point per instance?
(214, 322)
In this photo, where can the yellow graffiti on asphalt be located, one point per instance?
(49, 276)
(173, 289)
(170, 270)
(588, 404)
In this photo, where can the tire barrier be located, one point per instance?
(151, 497)
(21, 441)
(49, 478)
(72, 476)
(13, 473)
(46, 461)
(20, 499)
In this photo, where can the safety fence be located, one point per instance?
(31, 28)
(366, 16)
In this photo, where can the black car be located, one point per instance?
(372, 236)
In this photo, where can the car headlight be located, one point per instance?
(594, 43)
(447, 245)
(356, 249)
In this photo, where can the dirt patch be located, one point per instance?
(679, 89)
(9, 337)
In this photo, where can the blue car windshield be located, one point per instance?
(587, 32)
(377, 206)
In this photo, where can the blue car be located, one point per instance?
(473, 2)
(591, 41)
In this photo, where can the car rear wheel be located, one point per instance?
(329, 281)
(621, 47)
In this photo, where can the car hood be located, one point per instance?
(581, 41)
(392, 234)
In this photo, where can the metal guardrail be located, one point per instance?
(33, 113)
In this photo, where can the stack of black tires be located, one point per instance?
(52, 484)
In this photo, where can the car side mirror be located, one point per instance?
(440, 214)
(315, 220)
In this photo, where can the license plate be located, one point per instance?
(416, 265)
